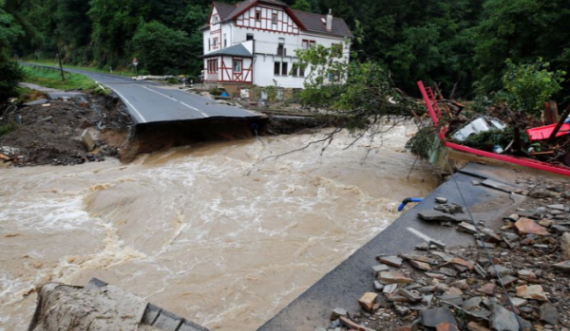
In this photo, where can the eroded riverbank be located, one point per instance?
(208, 232)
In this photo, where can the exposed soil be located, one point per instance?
(51, 133)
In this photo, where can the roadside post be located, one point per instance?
(136, 64)
(60, 66)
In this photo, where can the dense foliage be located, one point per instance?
(461, 44)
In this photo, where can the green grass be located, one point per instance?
(6, 128)
(52, 78)
(92, 69)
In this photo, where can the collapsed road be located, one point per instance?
(149, 102)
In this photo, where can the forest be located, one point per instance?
(457, 43)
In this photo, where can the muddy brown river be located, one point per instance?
(217, 233)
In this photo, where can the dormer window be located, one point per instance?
(274, 18)
(215, 19)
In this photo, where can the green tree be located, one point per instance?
(161, 49)
(9, 29)
(10, 76)
(303, 5)
(521, 30)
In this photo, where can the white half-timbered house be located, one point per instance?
(253, 42)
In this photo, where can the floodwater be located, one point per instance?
(220, 233)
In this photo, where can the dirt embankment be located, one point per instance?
(51, 132)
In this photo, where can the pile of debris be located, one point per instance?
(500, 130)
(64, 131)
(517, 279)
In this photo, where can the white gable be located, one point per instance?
(267, 19)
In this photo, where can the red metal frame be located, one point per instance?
(431, 103)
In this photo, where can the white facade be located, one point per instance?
(271, 35)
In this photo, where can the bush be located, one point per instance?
(10, 76)
(215, 91)
(527, 87)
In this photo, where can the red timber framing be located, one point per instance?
(286, 22)
(226, 73)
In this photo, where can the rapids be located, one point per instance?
(218, 233)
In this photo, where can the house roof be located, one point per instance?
(307, 21)
(237, 50)
(224, 9)
(314, 23)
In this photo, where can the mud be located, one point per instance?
(51, 133)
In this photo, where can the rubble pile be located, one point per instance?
(434, 288)
(64, 132)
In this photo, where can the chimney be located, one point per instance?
(329, 20)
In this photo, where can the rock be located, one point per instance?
(379, 268)
(378, 286)
(411, 295)
(440, 200)
(434, 316)
(490, 236)
(502, 187)
(564, 266)
(393, 261)
(368, 300)
(420, 258)
(437, 216)
(472, 326)
(472, 304)
(436, 276)
(500, 270)
(446, 327)
(549, 314)
(546, 222)
(388, 289)
(394, 278)
(509, 280)
(518, 302)
(527, 226)
(420, 265)
(540, 192)
(560, 228)
(526, 275)
(353, 325)
(338, 312)
(534, 292)
(503, 319)
(468, 264)
(488, 289)
(453, 291)
(467, 228)
(88, 140)
(557, 207)
(483, 244)
(565, 244)
(447, 272)
(451, 208)
(401, 310)
(513, 218)
(461, 284)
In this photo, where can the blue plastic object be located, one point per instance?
(408, 200)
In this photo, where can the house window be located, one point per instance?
(294, 69)
(225, 40)
(277, 68)
(274, 18)
(301, 71)
(237, 66)
(333, 76)
(215, 19)
(308, 43)
(249, 36)
(284, 66)
(258, 15)
(212, 66)
(281, 51)
(209, 44)
(336, 50)
(215, 42)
